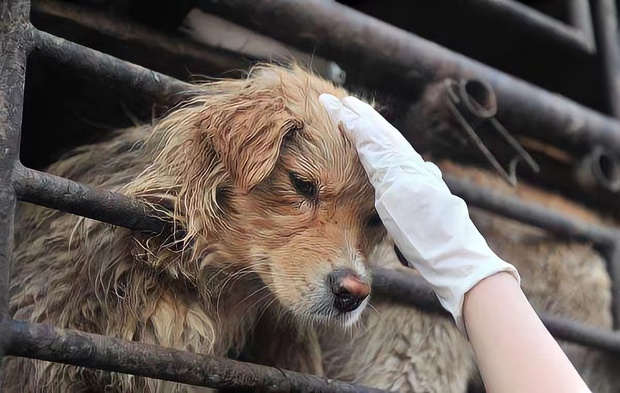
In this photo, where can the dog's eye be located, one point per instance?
(374, 220)
(304, 187)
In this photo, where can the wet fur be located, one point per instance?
(246, 265)
(405, 349)
(204, 289)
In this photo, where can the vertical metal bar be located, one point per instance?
(613, 265)
(580, 17)
(608, 49)
(14, 28)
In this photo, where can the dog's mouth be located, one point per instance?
(343, 311)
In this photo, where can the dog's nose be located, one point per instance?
(348, 289)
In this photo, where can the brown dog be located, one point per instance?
(277, 218)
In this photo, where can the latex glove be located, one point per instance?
(429, 225)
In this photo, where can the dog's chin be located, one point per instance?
(330, 317)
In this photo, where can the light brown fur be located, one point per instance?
(406, 350)
(242, 275)
(250, 254)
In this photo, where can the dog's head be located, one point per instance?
(259, 172)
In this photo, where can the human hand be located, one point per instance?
(430, 226)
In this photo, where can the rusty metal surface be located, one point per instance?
(128, 76)
(415, 291)
(529, 213)
(65, 195)
(168, 54)
(14, 46)
(384, 57)
(608, 50)
(45, 342)
(613, 265)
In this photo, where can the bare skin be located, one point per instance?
(514, 350)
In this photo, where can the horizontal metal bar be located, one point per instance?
(417, 292)
(68, 196)
(155, 86)
(508, 18)
(151, 48)
(73, 197)
(38, 341)
(532, 214)
(376, 54)
(533, 23)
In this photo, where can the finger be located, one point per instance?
(376, 129)
(341, 115)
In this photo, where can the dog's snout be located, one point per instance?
(348, 288)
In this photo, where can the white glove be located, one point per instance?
(429, 225)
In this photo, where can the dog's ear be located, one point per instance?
(247, 132)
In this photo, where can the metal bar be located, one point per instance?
(135, 43)
(14, 47)
(382, 56)
(613, 265)
(65, 195)
(579, 15)
(608, 49)
(38, 341)
(415, 291)
(154, 85)
(532, 23)
(476, 196)
(531, 214)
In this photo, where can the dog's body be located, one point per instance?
(270, 201)
(405, 349)
(275, 216)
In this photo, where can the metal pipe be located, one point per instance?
(135, 43)
(38, 341)
(157, 87)
(608, 49)
(14, 46)
(408, 289)
(599, 168)
(68, 196)
(376, 54)
(613, 266)
(580, 17)
(531, 214)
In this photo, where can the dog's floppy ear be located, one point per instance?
(247, 132)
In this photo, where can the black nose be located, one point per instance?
(348, 289)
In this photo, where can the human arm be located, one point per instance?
(514, 350)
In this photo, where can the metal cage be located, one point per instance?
(400, 51)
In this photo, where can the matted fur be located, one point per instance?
(250, 255)
(404, 349)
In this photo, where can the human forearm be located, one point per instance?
(514, 350)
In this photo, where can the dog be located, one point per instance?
(405, 349)
(273, 223)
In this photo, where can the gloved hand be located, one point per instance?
(429, 225)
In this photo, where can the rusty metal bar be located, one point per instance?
(45, 342)
(608, 50)
(155, 86)
(135, 43)
(532, 214)
(415, 291)
(580, 17)
(613, 266)
(113, 68)
(382, 56)
(65, 195)
(14, 47)
(533, 23)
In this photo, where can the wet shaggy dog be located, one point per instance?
(276, 218)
